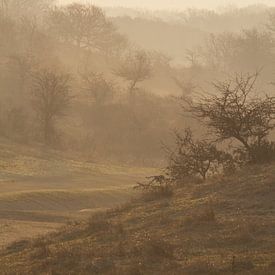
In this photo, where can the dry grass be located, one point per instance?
(43, 189)
(207, 216)
(226, 226)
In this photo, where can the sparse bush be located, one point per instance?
(237, 113)
(135, 68)
(260, 153)
(193, 158)
(156, 187)
(229, 164)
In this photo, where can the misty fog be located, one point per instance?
(137, 137)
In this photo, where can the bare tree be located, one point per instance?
(83, 25)
(135, 68)
(235, 112)
(51, 98)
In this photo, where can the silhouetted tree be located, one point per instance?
(51, 98)
(135, 68)
(235, 112)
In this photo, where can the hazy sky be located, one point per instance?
(174, 4)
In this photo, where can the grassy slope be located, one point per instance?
(41, 189)
(37, 179)
(226, 226)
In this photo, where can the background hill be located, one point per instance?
(173, 33)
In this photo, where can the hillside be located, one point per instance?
(172, 33)
(225, 226)
(41, 189)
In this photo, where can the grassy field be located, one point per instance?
(40, 190)
(224, 226)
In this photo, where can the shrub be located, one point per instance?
(194, 158)
(235, 112)
(261, 153)
(156, 187)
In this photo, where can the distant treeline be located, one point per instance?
(75, 79)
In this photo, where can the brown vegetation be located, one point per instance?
(220, 227)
